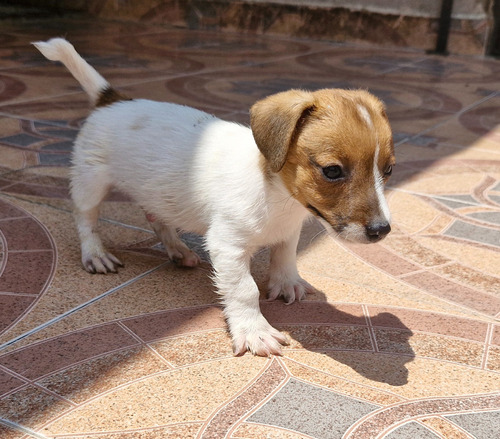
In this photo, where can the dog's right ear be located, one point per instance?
(275, 121)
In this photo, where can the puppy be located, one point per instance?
(326, 153)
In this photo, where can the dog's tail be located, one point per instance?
(99, 90)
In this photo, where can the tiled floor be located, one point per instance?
(403, 341)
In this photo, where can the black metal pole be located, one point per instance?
(493, 48)
(444, 27)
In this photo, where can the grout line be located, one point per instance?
(487, 344)
(140, 430)
(80, 307)
(432, 429)
(145, 345)
(14, 218)
(371, 330)
(22, 429)
(350, 382)
(72, 403)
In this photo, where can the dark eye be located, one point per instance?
(388, 171)
(332, 172)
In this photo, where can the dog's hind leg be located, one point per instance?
(89, 186)
(177, 251)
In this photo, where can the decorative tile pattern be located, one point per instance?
(401, 340)
(301, 407)
(480, 425)
(412, 429)
(27, 264)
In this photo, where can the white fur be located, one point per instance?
(58, 49)
(379, 188)
(365, 115)
(191, 171)
(199, 174)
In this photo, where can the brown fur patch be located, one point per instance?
(332, 133)
(109, 96)
(275, 121)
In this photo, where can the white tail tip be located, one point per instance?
(58, 49)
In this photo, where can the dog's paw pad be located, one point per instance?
(262, 343)
(290, 290)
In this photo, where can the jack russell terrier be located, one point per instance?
(326, 153)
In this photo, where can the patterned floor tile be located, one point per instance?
(402, 338)
(412, 429)
(480, 425)
(301, 407)
(172, 397)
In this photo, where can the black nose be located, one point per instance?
(376, 231)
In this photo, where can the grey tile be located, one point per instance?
(21, 139)
(495, 198)
(483, 235)
(453, 204)
(461, 201)
(490, 217)
(302, 407)
(61, 146)
(484, 425)
(54, 159)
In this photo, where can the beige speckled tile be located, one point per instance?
(470, 276)
(410, 213)
(183, 395)
(396, 295)
(494, 358)
(95, 376)
(458, 182)
(248, 430)
(425, 377)
(31, 406)
(328, 337)
(338, 383)
(9, 433)
(482, 259)
(412, 250)
(433, 346)
(184, 431)
(444, 427)
(193, 348)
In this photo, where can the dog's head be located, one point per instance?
(333, 150)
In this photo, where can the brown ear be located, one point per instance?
(274, 123)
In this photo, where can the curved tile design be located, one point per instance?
(401, 340)
(27, 264)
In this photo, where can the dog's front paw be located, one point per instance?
(259, 337)
(102, 263)
(291, 289)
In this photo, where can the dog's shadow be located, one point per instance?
(375, 352)
(375, 346)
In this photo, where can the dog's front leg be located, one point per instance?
(249, 328)
(284, 279)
